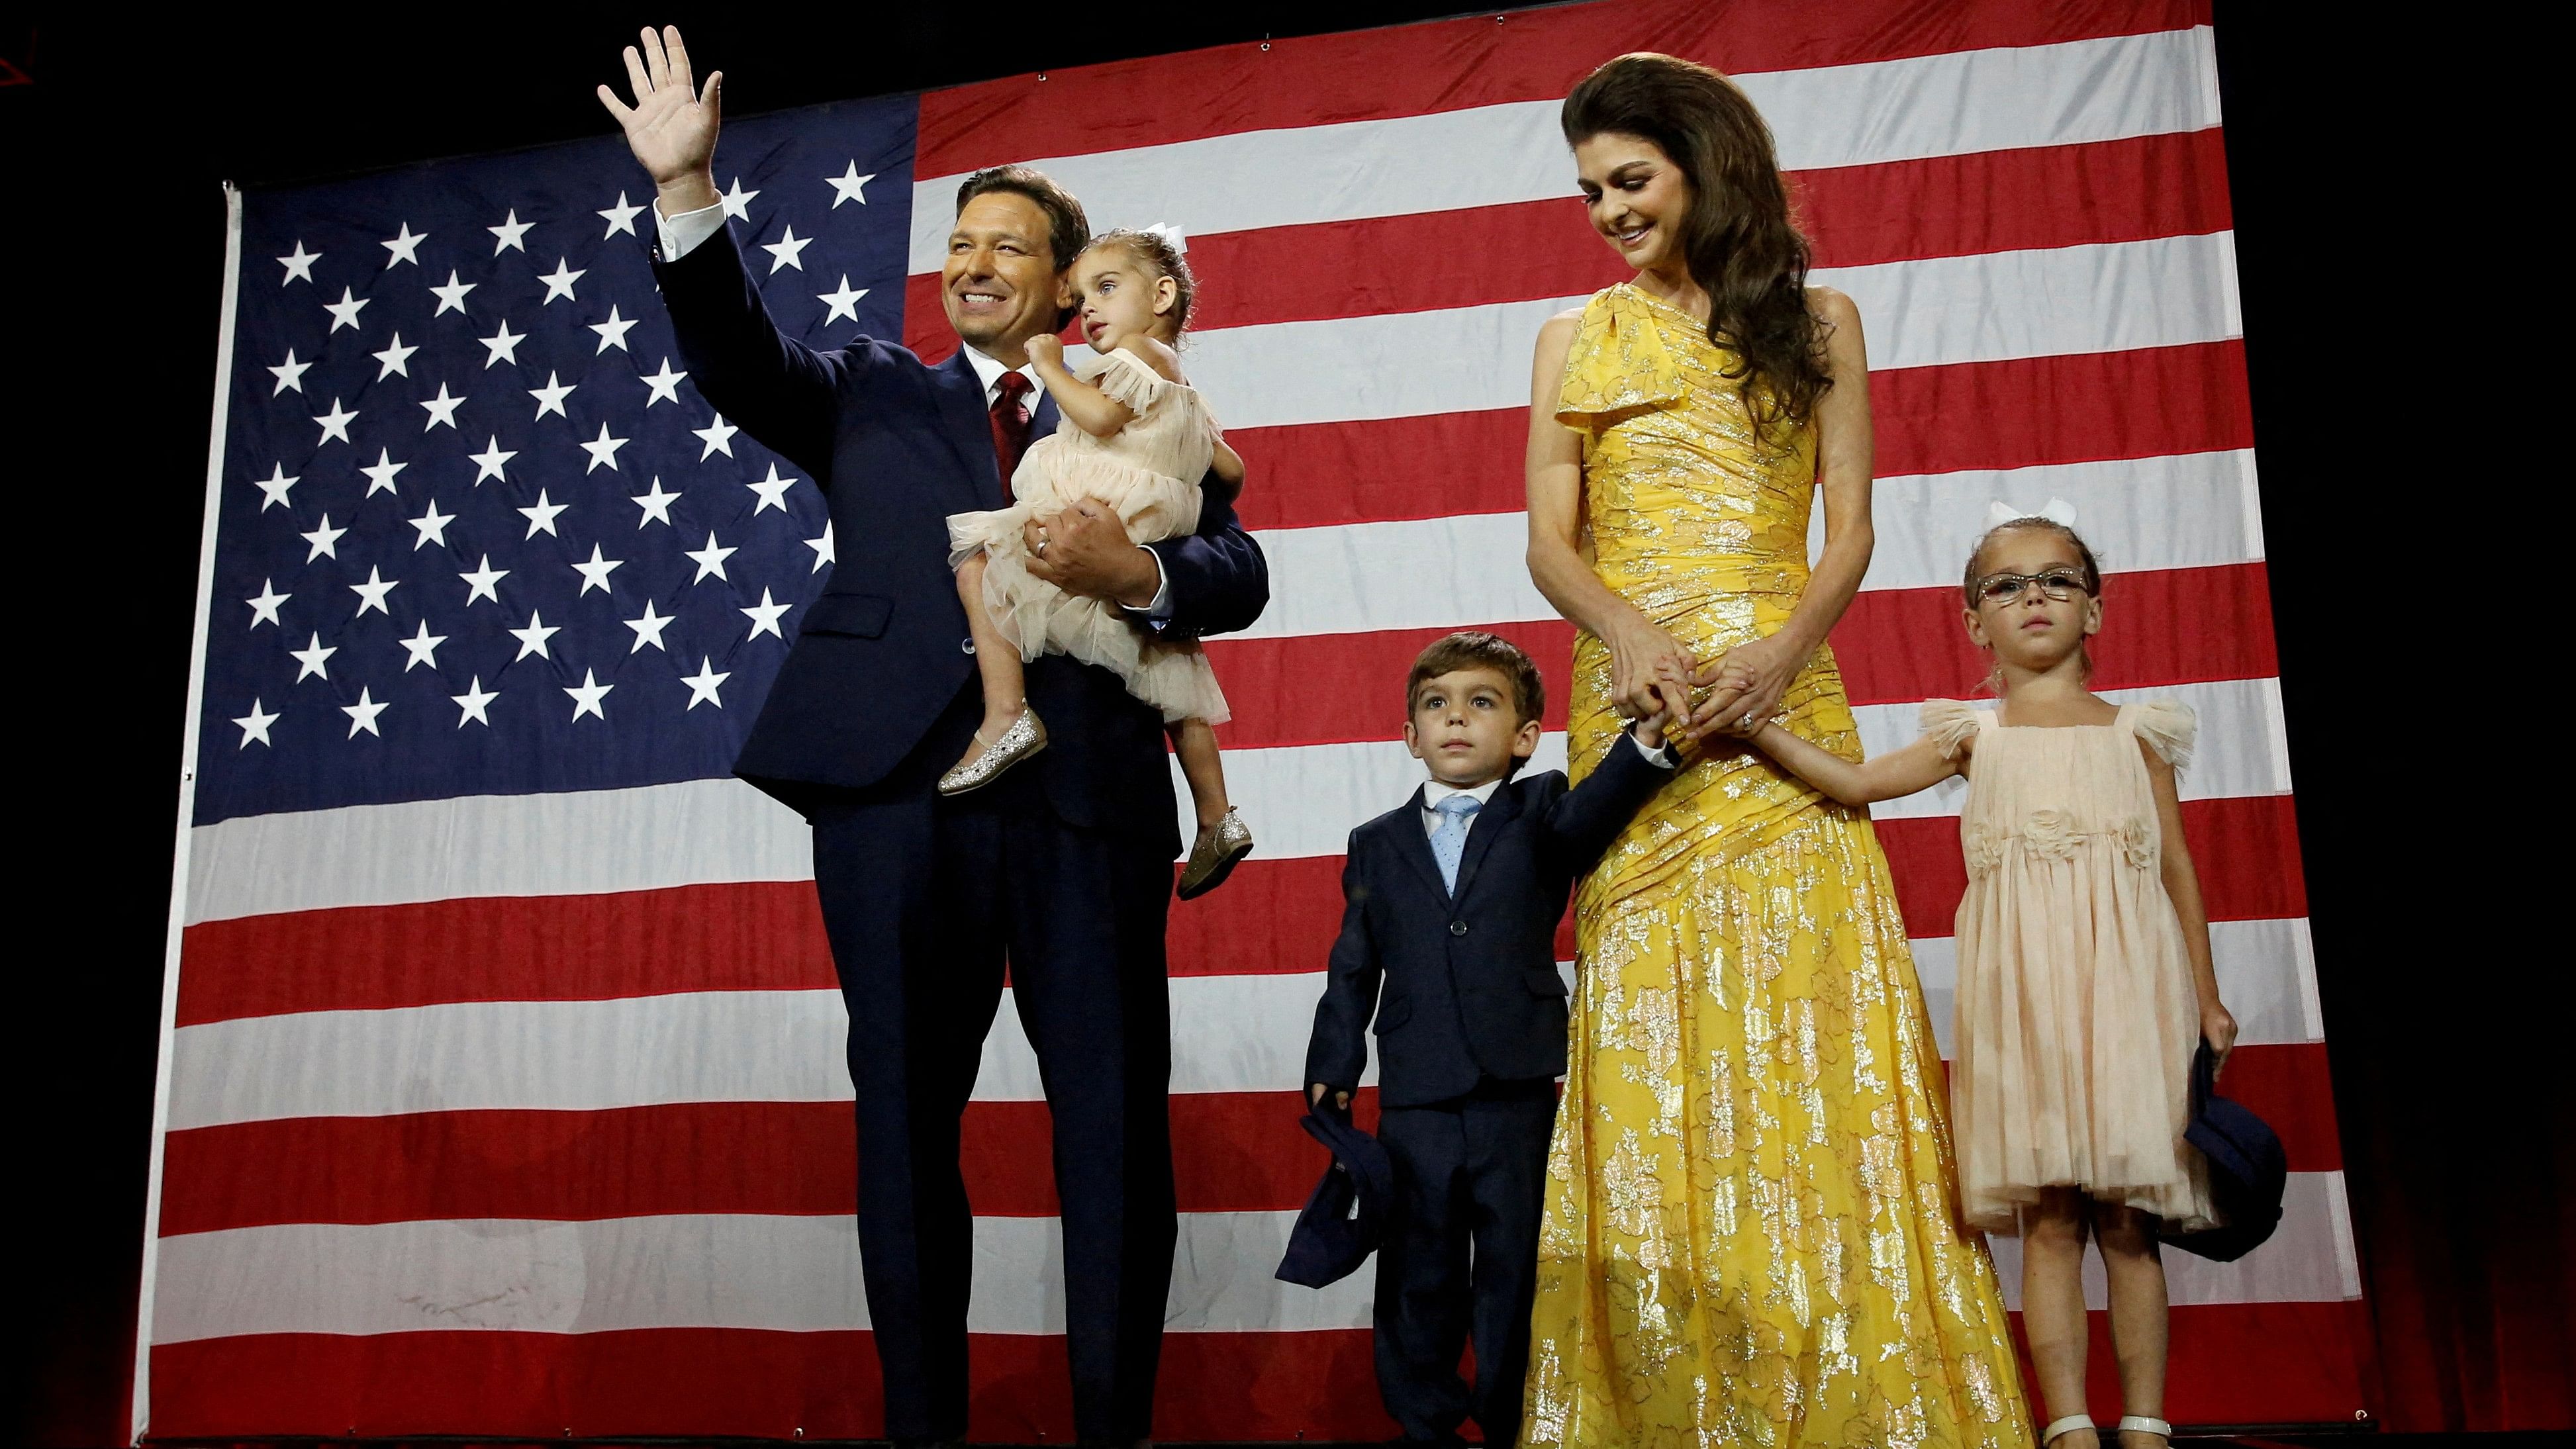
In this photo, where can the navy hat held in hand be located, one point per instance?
(2247, 1169)
(1340, 1224)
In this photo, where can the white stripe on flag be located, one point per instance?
(1894, 110)
(585, 842)
(2172, 511)
(1984, 307)
(1232, 1034)
(801, 1274)
(714, 1270)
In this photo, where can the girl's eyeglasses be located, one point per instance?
(2063, 583)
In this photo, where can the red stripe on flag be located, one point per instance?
(2164, 627)
(1451, 65)
(1274, 916)
(2170, 626)
(1999, 201)
(2243, 1363)
(737, 936)
(2246, 850)
(2148, 402)
(692, 1382)
(2230, 1363)
(1280, 916)
(1231, 1152)
(2029, 198)
(2041, 196)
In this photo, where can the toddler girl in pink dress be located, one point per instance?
(1136, 438)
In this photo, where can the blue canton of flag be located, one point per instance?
(478, 532)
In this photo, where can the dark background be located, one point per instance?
(2396, 377)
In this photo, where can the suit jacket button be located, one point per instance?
(1457, 928)
(966, 646)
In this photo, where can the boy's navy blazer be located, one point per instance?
(1469, 983)
(897, 445)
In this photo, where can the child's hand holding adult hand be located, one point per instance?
(1648, 667)
(1648, 731)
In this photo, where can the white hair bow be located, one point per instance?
(1169, 233)
(2055, 510)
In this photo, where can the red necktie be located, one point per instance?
(1010, 427)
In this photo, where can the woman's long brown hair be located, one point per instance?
(1738, 240)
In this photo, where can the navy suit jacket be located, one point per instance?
(1470, 983)
(897, 445)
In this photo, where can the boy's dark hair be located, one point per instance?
(1476, 649)
(1068, 229)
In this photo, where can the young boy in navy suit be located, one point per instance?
(1450, 909)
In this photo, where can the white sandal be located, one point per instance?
(2141, 1424)
(2067, 1425)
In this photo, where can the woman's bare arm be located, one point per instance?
(1753, 677)
(1918, 766)
(1650, 668)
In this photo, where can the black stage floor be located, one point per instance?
(2283, 1437)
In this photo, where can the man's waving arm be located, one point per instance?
(779, 390)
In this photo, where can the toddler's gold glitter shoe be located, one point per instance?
(1214, 854)
(1026, 736)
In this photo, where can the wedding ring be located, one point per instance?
(1042, 544)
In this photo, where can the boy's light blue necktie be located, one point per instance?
(1449, 842)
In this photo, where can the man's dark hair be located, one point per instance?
(1476, 649)
(1068, 230)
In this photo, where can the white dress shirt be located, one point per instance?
(1433, 792)
(685, 233)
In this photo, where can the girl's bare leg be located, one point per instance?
(997, 661)
(2052, 1307)
(1194, 741)
(2137, 1280)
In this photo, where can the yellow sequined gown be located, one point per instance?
(1752, 1235)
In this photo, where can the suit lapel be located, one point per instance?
(1414, 845)
(1044, 417)
(1498, 812)
(968, 425)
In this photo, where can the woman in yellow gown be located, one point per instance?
(1752, 1234)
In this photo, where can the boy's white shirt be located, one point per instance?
(1433, 792)
(685, 233)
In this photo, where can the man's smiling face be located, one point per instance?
(1002, 283)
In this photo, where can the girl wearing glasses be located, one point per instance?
(2084, 971)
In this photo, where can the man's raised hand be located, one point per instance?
(671, 128)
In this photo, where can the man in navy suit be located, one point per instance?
(1450, 905)
(1063, 867)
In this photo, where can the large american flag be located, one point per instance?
(502, 1089)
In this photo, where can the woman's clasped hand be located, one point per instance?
(1734, 694)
